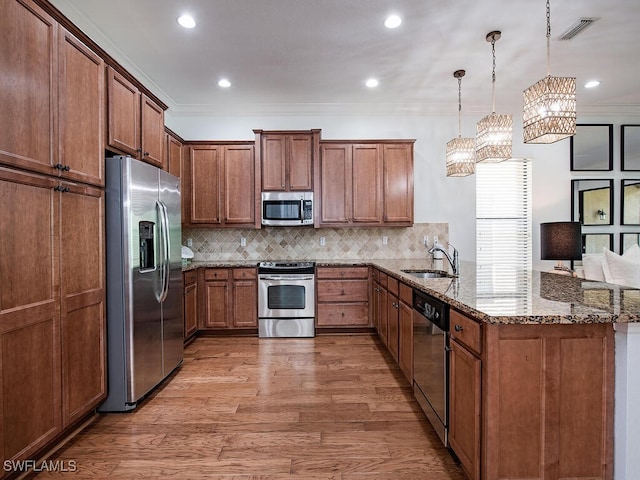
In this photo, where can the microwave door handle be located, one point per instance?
(302, 210)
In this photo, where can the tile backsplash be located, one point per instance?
(304, 243)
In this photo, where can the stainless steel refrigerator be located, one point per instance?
(144, 280)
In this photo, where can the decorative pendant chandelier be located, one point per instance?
(549, 112)
(461, 152)
(494, 132)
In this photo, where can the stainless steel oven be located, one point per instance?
(286, 299)
(431, 360)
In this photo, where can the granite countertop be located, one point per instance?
(503, 294)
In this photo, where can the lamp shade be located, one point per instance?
(560, 241)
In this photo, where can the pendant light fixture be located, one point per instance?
(461, 152)
(494, 132)
(549, 112)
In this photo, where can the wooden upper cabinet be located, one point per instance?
(136, 122)
(239, 205)
(367, 184)
(335, 181)
(174, 155)
(27, 58)
(398, 183)
(351, 184)
(286, 160)
(81, 112)
(124, 114)
(206, 184)
(221, 184)
(152, 128)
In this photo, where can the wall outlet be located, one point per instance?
(189, 242)
(323, 241)
(385, 240)
(435, 240)
(425, 241)
(243, 242)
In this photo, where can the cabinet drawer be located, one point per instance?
(339, 315)
(406, 294)
(343, 291)
(392, 285)
(190, 277)
(340, 272)
(216, 274)
(244, 274)
(465, 330)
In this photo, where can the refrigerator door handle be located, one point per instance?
(164, 235)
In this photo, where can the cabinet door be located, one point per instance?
(29, 86)
(217, 299)
(300, 162)
(239, 192)
(398, 184)
(245, 304)
(393, 325)
(124, 114)
(367, 184)
(205, 182)
(384, 315)
(190, 304)
(464, 408)
(82, 300)
(81, 111)
(335, 179)
(405, 341)
(174, 156)
(29, 318)
(152, 129)
(274, 165)
(375, 308)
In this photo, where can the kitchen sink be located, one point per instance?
(428, 273)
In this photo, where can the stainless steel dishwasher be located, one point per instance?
(431, 360)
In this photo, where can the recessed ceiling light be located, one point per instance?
(371, 83)
(186, 21)
(224, 83)
(592, 84)
(392, 21)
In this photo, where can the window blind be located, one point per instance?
(503, 229)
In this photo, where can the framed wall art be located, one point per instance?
(591, 148)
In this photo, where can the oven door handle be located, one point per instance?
(278, 278)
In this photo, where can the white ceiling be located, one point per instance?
(313, 56)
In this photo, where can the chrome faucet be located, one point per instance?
(454, 262)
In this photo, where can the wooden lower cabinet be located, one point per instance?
(405, 332)
(342, 297)
(230, 298)
(393, 317)
(190, 303)
(52, 317)
(532, 401)
(464, 408)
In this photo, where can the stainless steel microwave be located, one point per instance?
(287, 209)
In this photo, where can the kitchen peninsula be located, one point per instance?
(532, 393)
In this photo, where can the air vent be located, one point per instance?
(578, 27)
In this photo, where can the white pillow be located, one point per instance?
(622, 270)
(592, 265)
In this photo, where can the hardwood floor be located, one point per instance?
(333, 407)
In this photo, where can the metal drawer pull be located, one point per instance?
(458, 328)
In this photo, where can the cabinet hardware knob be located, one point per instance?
(146, 154)
(66, 168)
(458, 328)
(139, 150)
(59, 166)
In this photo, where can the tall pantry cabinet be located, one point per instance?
(52, 286)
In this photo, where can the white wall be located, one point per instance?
(437, 198)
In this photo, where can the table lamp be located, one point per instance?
(561, 241)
